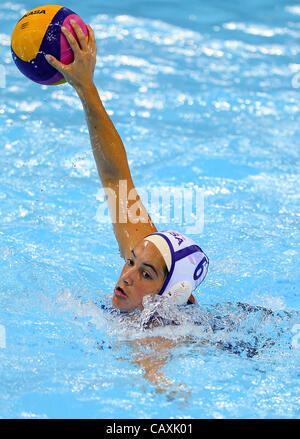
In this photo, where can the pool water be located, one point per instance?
(204, 95)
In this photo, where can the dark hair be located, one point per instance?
(166, 271)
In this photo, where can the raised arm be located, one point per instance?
(108, 148)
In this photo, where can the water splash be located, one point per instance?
(237, 328)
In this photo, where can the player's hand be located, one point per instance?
(80, 72)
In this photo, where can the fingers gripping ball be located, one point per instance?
(39, 33)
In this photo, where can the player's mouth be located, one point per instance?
(120, 292)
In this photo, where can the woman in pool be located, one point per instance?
(166, 263)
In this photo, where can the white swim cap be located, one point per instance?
(186, 262)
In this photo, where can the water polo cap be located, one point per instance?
(186, 262)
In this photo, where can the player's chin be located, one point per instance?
(120, 303)
(123, 304)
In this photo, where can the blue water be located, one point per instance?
(203, 94)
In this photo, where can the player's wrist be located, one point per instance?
(86, 89)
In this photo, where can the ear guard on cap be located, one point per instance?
(186, 262)
(179, 293)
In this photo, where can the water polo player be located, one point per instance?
(165, 263)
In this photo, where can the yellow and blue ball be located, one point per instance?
(37, 33)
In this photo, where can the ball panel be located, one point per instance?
(57, 78)
(62, 81)
(52, 39)
(67, 55)
(29, 32)
(38, 70)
